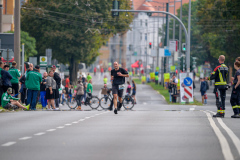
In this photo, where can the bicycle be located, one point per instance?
(128, 102)
(93, 102)
(105, 102)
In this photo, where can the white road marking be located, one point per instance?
(97, 114)
(81, 120)
(24, 138)
(87, 117)
(68, 124)
(39, 134)
(222, 140)
(233, 136)
(191, 109)
(144, 103)
(75, 122)
(50, 130)
(8, 144)
(163, 97)
(60, 127)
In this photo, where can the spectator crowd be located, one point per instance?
(25, 91)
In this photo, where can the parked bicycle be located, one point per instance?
(92, 101)
(105, 102)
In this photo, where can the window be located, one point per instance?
(146, 22)
(145, 36)
(140, 22)
(140, 36)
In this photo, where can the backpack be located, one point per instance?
(207, 86)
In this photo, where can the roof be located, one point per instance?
(138, 5)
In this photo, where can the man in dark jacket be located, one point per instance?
(57, 78)
(6, 78)
(1, 90)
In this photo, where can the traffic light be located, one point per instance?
(150, 45)
(116, 5)
(184, 47)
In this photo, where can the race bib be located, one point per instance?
(121, 87)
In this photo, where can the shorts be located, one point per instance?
(202, 93)
(10, 106)
(49, 95)
(116, 90)
(134, 93)
(66, 89)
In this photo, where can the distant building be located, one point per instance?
(8, 14)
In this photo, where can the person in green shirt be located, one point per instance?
(9, 102)
(105, 79)
(15, 73)
(89, 91)
(33, 80)
(89, 77)
(89, 86)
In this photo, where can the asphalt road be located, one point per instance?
(153, 130)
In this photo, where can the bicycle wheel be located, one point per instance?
(128, 103)
(72, 104)
(105, 103)
(94, 102)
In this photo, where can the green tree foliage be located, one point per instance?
(220, 26)
(29, 45)
(74, 29)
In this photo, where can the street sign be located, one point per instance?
(186, 91)
(173, 46)
(33, 60)
(187, 81)
(49, 56)
(43, 61)
(10, 54)
(167, 53)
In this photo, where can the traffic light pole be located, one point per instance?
(181, 23)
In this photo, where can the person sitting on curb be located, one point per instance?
(9, 102)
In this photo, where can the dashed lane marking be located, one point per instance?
(75, 122)
(222, 140)
(24, 138)
(8, 144)
(191, 109)
(39, 134)
(60, 127)
(50, 130)
(68, 124)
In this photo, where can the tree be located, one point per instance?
(220, 26)
(75, 30)
(29, 45)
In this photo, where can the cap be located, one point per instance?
(9, 89)
(37, 67)
(53, 66)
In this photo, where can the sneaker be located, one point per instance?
(235, 116)
(219, 115)
(49, 109)
(115, 111)
(28, 106)
(57, 109)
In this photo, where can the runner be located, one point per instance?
(118, 79)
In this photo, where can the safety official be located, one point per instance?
(219, 74)
(235, 96)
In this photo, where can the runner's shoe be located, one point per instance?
(115, 111)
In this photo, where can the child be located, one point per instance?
(128, 88)
(70, 92)
(63, 97)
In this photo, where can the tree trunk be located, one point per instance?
(73, 69)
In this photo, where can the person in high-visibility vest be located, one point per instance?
(143, 79)
(156, 79)
(105, 79)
